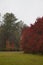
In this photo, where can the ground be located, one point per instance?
(19, 58)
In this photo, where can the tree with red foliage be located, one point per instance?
(32, 37)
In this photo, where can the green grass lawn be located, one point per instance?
(18, 58)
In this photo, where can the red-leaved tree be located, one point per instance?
(32, 37)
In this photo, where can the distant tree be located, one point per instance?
(19, 28)
(8, 28)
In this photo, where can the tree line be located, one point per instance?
(16, 35)
(10, 32)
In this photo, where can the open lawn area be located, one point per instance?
(18, 58)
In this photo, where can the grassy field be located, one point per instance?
(18, 58)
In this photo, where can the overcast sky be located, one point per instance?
(26, 10)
